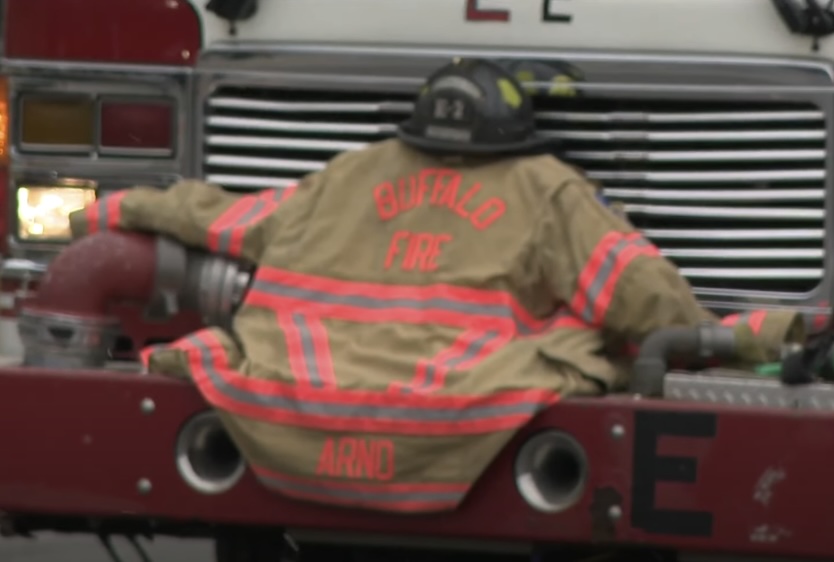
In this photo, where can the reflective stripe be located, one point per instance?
(392, 497)
(598, 280)
(317, 350)
(371, 302)
(308, 350)
(145, 354)
(470, 348)
(106, 213)
(753, 319)
(353, 410)
(225, 235)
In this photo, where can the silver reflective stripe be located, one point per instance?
(358, 411)
(309, 350)
(362, 301)
(449, 363)
(262, 203)
(603, 274)
(224, 239)
(103, 213)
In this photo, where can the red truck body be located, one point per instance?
(686, 477)
(92, 450)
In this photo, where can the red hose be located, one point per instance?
(95, 271)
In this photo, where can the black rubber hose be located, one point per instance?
(651, 365)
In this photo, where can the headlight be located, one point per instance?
(43, 212)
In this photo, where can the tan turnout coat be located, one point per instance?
(409, 315)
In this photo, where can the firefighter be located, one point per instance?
(416, 302)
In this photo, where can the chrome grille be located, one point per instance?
(732, 192)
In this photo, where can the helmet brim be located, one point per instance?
(474, 149)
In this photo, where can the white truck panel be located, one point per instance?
(694, 26)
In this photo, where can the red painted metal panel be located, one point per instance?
(117, 31)
(761, 482)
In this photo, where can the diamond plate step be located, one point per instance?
(738, 389)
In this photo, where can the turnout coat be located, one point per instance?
(409, 314)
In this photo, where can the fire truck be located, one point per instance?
(707, 120)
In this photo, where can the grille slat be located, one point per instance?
(696, 156)
(751, 136)
(732, 192)
(726, 194)
(699, 118)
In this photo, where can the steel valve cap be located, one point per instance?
(550, 471)
(206, 457)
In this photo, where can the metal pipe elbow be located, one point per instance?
(68, 324)
(701, 342)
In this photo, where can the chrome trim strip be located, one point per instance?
(20, 66)
(21, 269)
(250, 48)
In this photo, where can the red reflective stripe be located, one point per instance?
(227, 220)
(308, 350)
(383, 291)
(105, 213)
(563, 319)
(226, 233)
(394, 314)
(295, 351)
(91, 215)
(420, 414)
(403, 497)
(114, 209)
(467, 350)
(753, 319)
(591, 269)
(756, 320)
(624, 259)
(492, 301)
(598, 279)
(239, 229)
(145, 355)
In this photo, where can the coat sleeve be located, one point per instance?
(195, 213)
(606, 272)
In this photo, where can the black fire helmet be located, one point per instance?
(472, 107)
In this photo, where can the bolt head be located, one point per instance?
(617, 431)
(144, 486)
(147, 406)
(615, 512)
